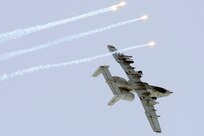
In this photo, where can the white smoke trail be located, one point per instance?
(26, 31)
(63, 64)
(65, 39)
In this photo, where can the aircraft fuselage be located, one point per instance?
(152, 91)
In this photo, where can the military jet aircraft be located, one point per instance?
(124, 90)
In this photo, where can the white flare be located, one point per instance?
(115, 7)
(145, 17)
(63, 64)
(18, 33)
(151, 44)
(65, 39)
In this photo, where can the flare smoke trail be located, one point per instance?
(63, 64)
(26, 31)
(65, 39)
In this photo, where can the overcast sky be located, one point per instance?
(68, 101)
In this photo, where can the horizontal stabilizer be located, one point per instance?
(108, 77)
(99, 70)
(115, 99)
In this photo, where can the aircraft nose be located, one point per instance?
(170, 92)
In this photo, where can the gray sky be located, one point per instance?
(68, 101)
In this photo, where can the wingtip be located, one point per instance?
(111, 48)
(158, 131)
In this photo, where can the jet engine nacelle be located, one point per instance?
(126, 95)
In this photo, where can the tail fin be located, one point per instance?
(114, 88)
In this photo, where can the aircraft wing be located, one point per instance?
(125, 62)
(147, 102)
(148, 105)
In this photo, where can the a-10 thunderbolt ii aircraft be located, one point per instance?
(124, 90)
